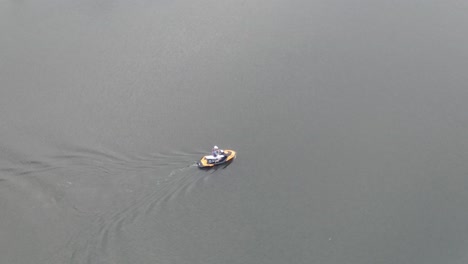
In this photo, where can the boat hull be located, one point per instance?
(208, 163)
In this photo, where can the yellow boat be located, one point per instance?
(211, 161)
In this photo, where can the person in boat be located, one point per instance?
(215, 151)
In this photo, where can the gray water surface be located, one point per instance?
(349, 119)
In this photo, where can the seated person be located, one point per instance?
(215, 151)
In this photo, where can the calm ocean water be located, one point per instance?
(349, 119)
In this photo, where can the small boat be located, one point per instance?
(211, 161)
